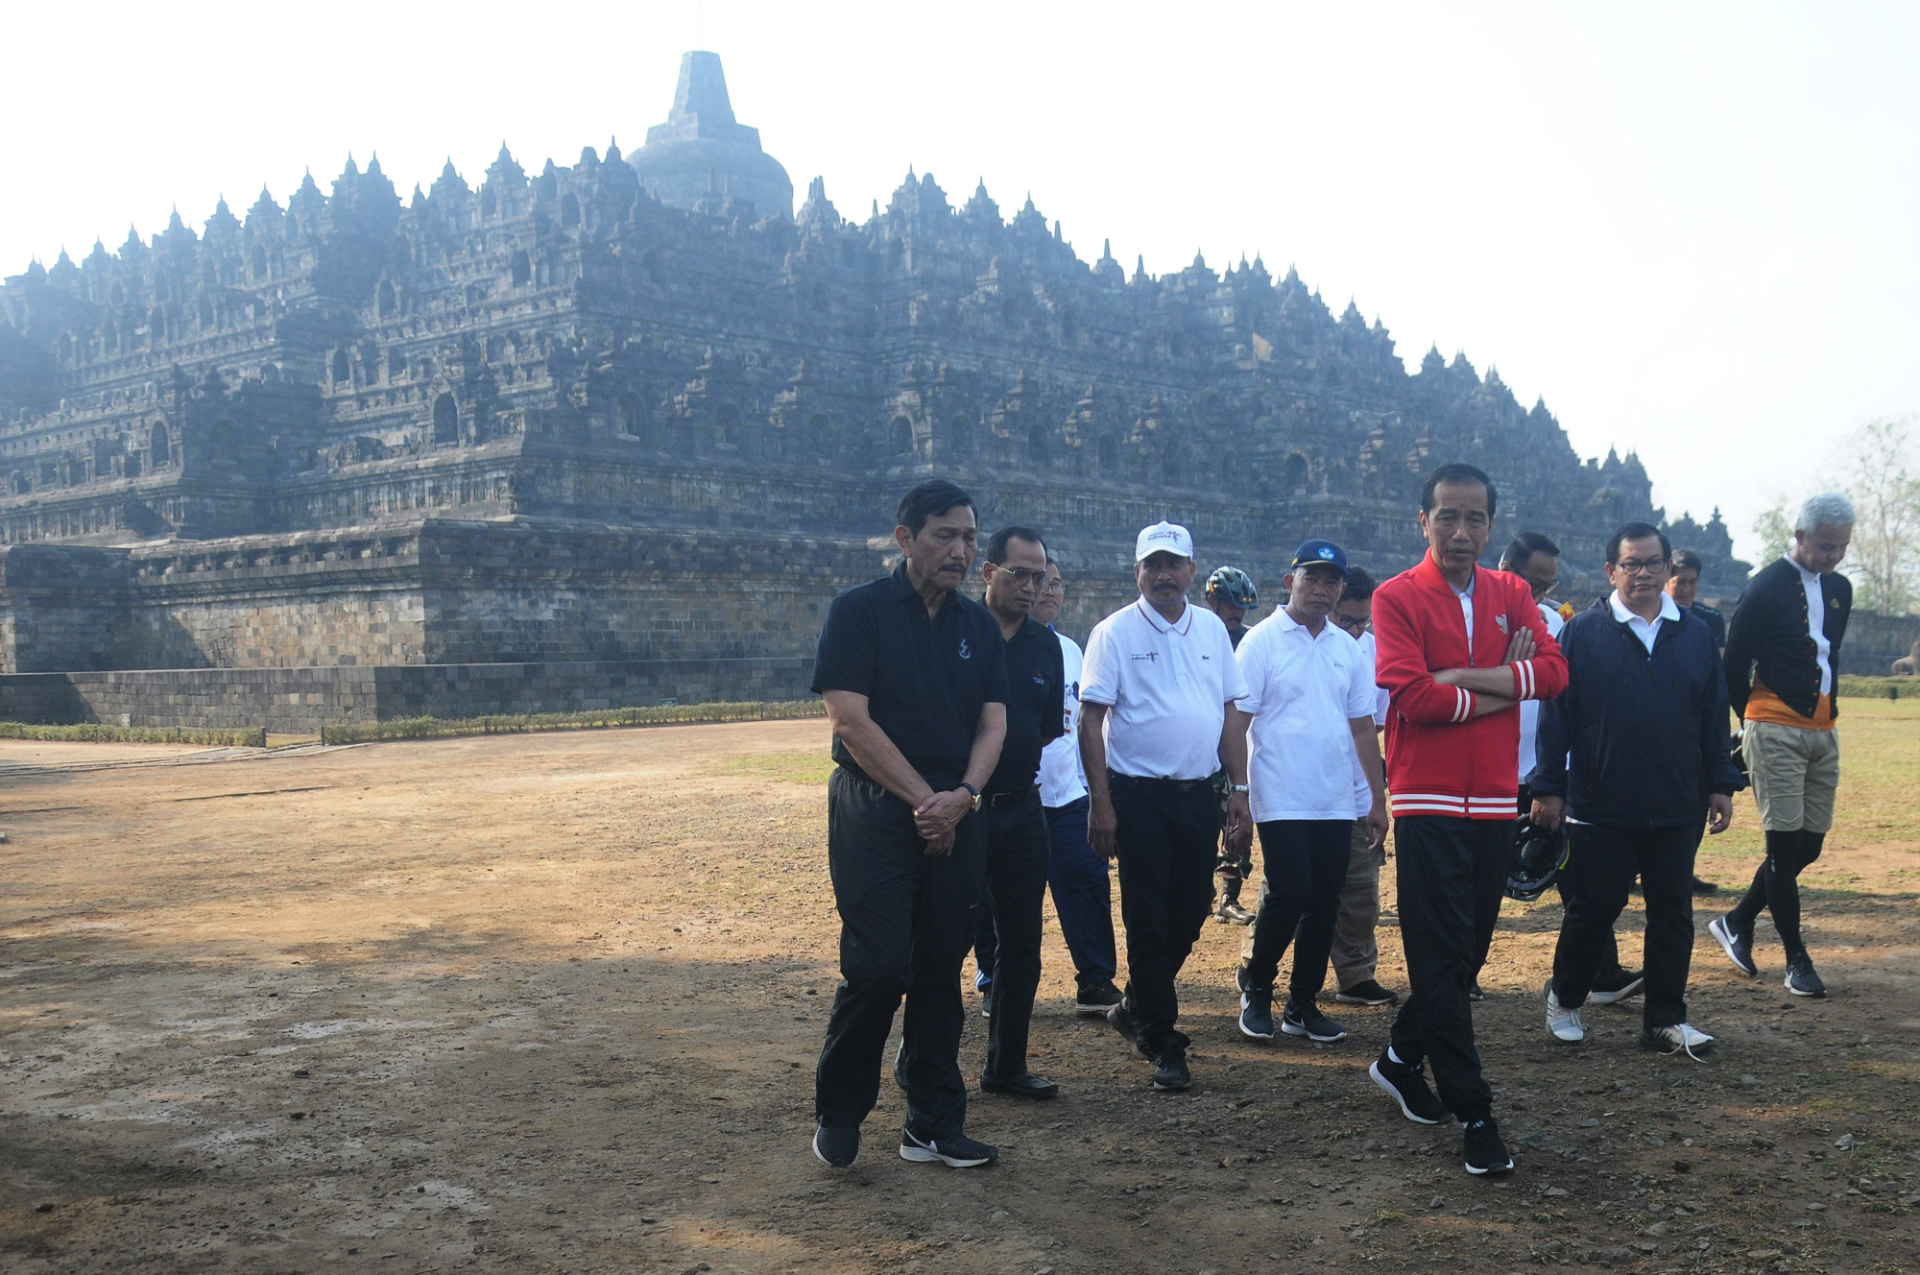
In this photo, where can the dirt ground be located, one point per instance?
(551, 1003)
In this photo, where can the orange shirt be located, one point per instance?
(1764, 706)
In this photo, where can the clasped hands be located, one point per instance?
(1520, 646)
(937, 817)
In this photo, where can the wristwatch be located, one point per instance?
(1238, 788)
(975, 791)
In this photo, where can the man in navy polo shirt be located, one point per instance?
(915, 680)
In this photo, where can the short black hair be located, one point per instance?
(1359, 585)
(1456, 473)
(1519, 553)
(1683, 558)
(997, 546)
(1636, 531)
(929, 500)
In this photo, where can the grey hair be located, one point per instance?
(1828, 509)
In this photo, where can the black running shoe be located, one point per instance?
(1473, 991)
(1611, 989)
(1170, 1074)
(1738, 944)
(1367, 993)
(1256, 1015)
(1096, 997)
(837, 1147)
(1801, 980)
(1121, 1019)
(958, 1152)
(1485, 1152)
(1303, 1018)
(1406, 1084)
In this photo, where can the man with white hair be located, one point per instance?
(1782, 663)
(1158, 715)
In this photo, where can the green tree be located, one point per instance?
(1879, 476)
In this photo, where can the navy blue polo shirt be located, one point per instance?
(925, 678)
(1036, 705)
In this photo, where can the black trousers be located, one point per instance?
(1602, 863)
(1610, 967)
(1018, 848)
(1303, 864)
(1166, 840)
(1451, 877)
(905, 921)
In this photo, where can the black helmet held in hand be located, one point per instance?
(1542, 857)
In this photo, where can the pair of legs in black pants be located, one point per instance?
(1776, 887)
(906, 918)
(1600, 870)
(1451, 878)
(1167, 836)
(1303, 864)
(1017, 853)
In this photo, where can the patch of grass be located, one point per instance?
(801, 766)
(94, 733)
(599, 719)
(1887, 688)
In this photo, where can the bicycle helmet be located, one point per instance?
(1542, 857)
(1234, 585)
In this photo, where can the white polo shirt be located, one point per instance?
(1817, 624)
(1167, 687)
(1530, 708)
(1362, 790)
(1303, 690)
(1062, 782)
(1648, 631)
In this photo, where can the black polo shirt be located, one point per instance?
(1036, 705)
(924, 679)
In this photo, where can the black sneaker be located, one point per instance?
(1256, 1015)
(1097, 997)
(1613, 988)
(837, 1147)
(1231, 913)
(1406, 1084)
(1704, 887)
(958, 1152)
(1367, 993)
(1738, 944)
(1473, 991)
(1170, 1074)
(1485, 1152)
(1121, 1019)
(1801, 980)
(1303, 1018)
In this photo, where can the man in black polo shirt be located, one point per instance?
(1018, 843)
(915, 681)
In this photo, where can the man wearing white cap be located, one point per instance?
(1157, 718)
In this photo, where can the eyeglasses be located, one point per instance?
(1051, 585)
(1634, 567)
(1023, 576)
(1351, 625)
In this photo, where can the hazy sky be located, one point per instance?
(1692, 228)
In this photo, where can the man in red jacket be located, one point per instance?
(1458, 648)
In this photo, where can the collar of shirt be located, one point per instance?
(1283, 620)
(1806, 576)
(1467, 592)
(903, 589)
(1668, 611)
(1182, 626)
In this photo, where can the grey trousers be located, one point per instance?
(1355, 954)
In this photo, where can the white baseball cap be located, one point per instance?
(1163, 537)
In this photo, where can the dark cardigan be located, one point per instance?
(1769, 637)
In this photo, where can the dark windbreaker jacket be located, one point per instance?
(1636, 739)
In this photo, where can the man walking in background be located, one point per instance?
(1310, 694)
(1230, 595)
(1633, 759)
(1458, 649)
(1080, 879)
(1355, 955)
(1157, 718)
(914, 675)
(1783, 662)
(1017, 843)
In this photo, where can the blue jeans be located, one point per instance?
(1082, 895)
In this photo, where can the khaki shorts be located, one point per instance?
(1795, 772)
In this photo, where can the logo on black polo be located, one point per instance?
(965, 654)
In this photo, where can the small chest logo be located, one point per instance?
(965, 653)
(1501, 620)
(1146, 655)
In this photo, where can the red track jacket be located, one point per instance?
(1441, 759)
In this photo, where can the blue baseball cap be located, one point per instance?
(1320, 553)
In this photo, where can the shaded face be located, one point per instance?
(1014, 586)
(1231, 612)
(1541, 572)
(943, 551)
(1053, 594)
(1163, 577)
(1641, 572)
(1314, 590)
(1684, 585)
(1355, 615)
(1822, 548)
(1458, 524)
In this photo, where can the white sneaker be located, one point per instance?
(1679, 1038)
(1564, 1023)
